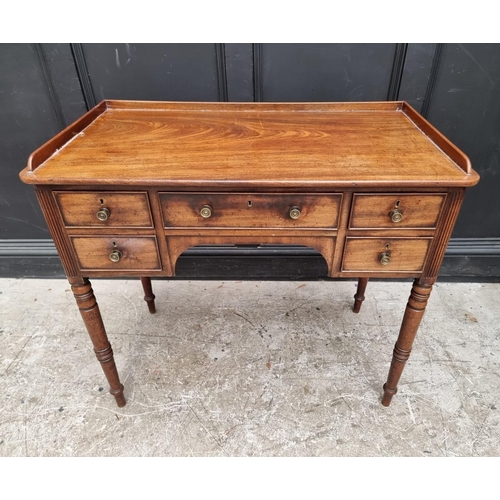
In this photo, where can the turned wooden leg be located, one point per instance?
(91, 315)
(411, 321)
(360, 294)
(149, 296)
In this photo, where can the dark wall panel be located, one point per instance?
(416, 74)
(239, 69)
(465, 106)
(44, 87)
(66, 84)
(326, 72)
(28, 119)
(155, 72)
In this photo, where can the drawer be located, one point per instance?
(250, 210)
(372, 211)
(104, 209)
(385, 254)
(135, 253)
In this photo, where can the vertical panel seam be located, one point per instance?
(436, 60)
(257, 72)
(220, 61)
(397, 71)
(56, 103)
(83, 74)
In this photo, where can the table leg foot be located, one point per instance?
(91, 315)
(105, 357)
(149, 296)
(388, 393)
(415, 309)
(360, 294)
(119, 396)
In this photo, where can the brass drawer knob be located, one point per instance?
(396, 215)
(384, 258)
(103, 214)
(294, 213)
(115, 256)
(206, 211)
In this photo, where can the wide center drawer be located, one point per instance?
(111, 253)
(104, 209)
(373, 211)
(250, 210)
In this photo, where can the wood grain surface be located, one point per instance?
(315, 145)
(137, 252)
(125, 209)
(406, 255)
(373, 211)
(250, 210)
(344, 166)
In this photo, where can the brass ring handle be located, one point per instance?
(206, 211)
(294, 213)
(396, 215)
(115, 256)
(103, 214)
(384, 258)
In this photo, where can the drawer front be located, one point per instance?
(111, 253)
(250, 210)
(104, 209)
(395, 210)
(385, 254)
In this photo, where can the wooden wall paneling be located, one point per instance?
(239, 71)
(157, 72)
(46, 86)
(416, 75)
(325, 72)
(465, 106)
(220, 61)
(83, 74)
(257, 72)
(27, 120)
(398, 66)
(436, 61)
(56, 105)
(65, 81)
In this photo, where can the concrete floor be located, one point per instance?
(248, 369)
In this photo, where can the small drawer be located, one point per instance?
(385, 254)
(250, 210)
(112, 253)
(373, 211)
(104, 209)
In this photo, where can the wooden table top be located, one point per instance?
(199, 145)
